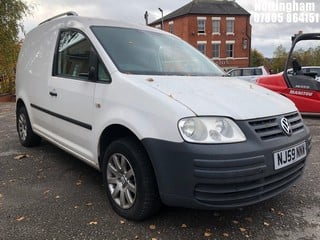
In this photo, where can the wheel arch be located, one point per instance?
(20, 103)
(112, 133)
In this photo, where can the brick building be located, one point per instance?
(218, 28)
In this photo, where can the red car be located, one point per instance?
(295, 83)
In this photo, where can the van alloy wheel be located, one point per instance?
(22, 127)
(121, 181)
(26, 135)
(129, 179)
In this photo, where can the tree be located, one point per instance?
(307, 57)
(11, 15)
(279, 59)
(257, 58)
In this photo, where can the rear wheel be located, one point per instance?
(26, 136)
(129, 180)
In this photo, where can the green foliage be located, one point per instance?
(279, 59)
(11, 15)
(309, 57)
(256, 58)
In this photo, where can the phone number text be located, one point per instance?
(279, 17)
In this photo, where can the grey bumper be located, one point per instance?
(227, 175)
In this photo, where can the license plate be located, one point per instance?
(289, 155)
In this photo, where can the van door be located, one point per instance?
(72, 94)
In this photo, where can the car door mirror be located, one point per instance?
(92, 75)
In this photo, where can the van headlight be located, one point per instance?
(210, 130)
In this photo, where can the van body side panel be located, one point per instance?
(35, 66)
(73, 128)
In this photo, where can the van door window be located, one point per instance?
(103, 74)
(73, 55)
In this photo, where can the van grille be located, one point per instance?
(270, 128)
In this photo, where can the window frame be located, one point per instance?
(94, 60)
(230, 20)
(202, 43)
(216, 20)
(216, 43)
(171, 27)
(201, 19)
(230, 43)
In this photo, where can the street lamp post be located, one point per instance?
(146, 15)
(161, 18)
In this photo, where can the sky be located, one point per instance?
(273, 21)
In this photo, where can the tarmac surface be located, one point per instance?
(46, 193)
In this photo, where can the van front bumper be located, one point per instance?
(223, 176)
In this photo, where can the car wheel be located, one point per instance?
(129, 180)
(26, 136)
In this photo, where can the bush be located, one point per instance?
(11, 15)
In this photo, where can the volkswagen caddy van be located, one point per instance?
(155, 116)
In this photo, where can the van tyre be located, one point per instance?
(26, 136)
(129, 180)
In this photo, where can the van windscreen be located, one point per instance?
(136, 51)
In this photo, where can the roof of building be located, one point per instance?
(206, 7)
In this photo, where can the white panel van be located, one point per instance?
(155, 116)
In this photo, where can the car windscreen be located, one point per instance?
(136, 51)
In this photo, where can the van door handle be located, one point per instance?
(53, 94)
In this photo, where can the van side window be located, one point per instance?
(73, 55)
(103, 74)
(236, 72)
(247, 72)
(257, 71)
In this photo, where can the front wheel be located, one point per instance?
(129, 180)
(26, 136)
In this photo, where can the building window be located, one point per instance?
(216, 25)
(230, 49)
(171, 28)
(230, 25)
(216, 49)
(201, 25)
(202, 47)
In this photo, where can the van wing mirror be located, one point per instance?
(92, 75)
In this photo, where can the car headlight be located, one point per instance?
(210, 130)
